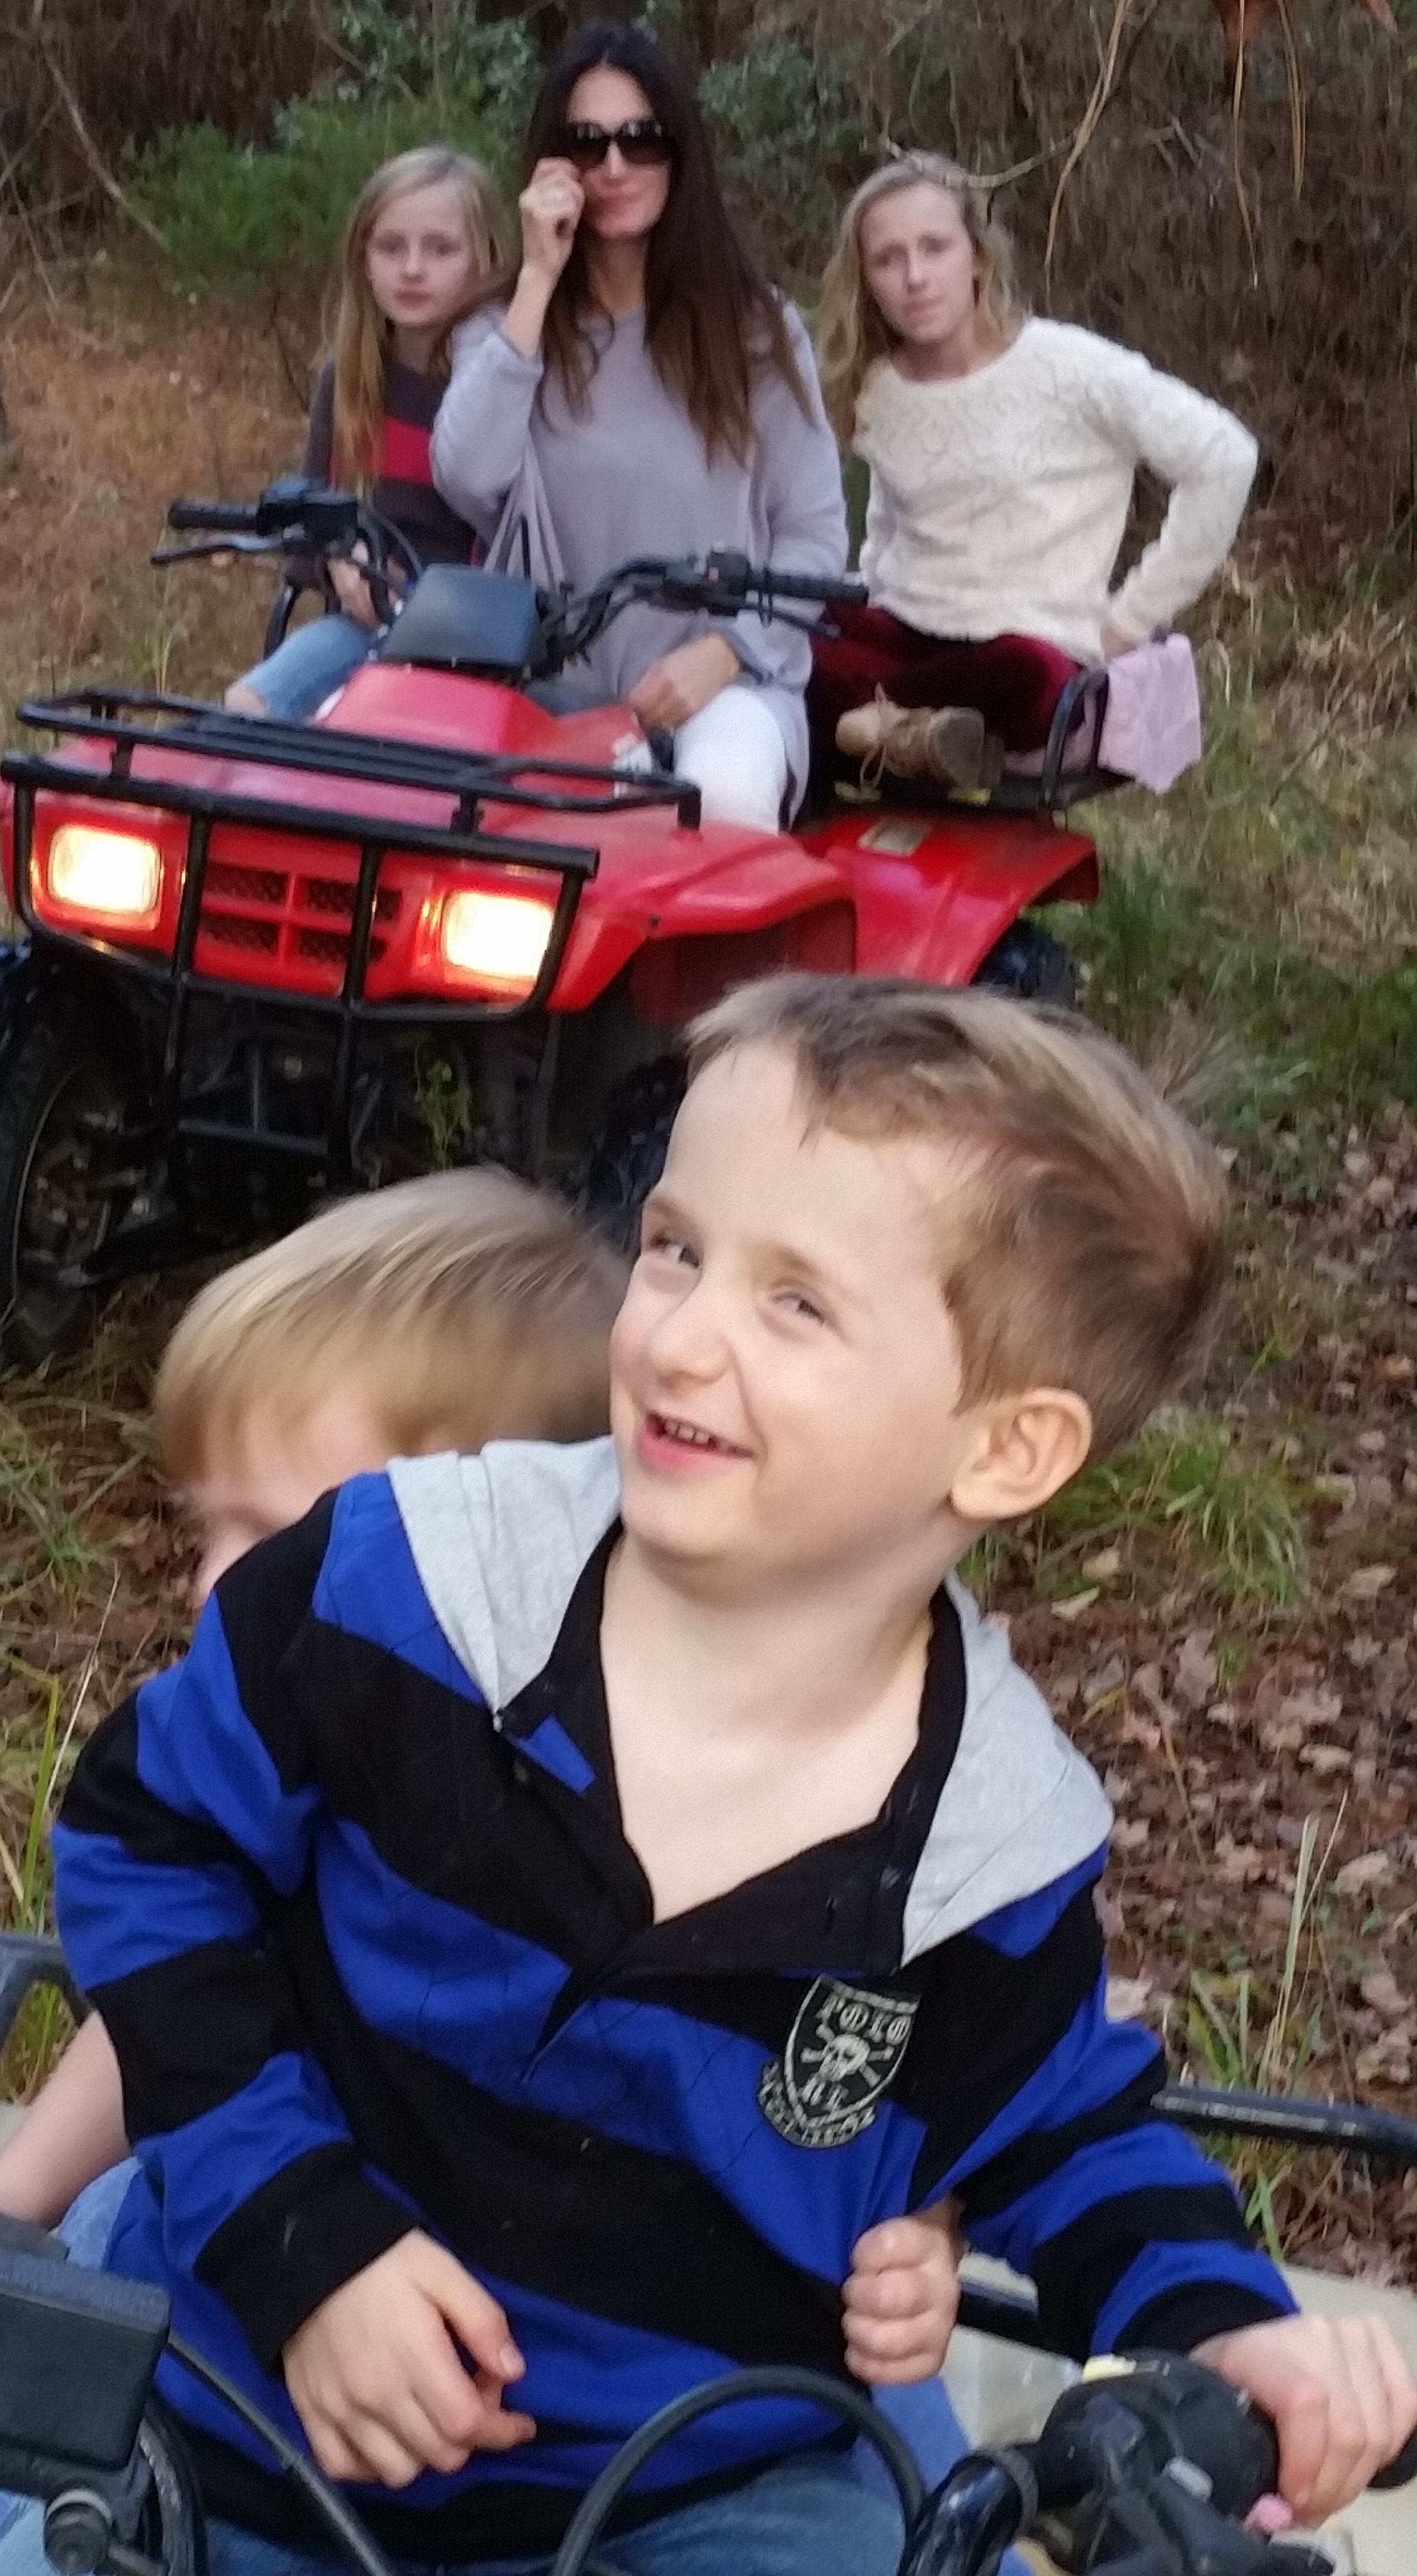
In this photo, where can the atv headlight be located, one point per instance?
(108, 876)
(498, 940)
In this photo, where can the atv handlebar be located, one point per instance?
(214, 517)
(297, 516)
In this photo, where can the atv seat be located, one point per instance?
(460, 618)
(1064, 773)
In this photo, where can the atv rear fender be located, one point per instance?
(878, 891)
(935, 892)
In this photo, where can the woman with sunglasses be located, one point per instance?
(637, 387)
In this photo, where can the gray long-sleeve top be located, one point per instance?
(629, 475)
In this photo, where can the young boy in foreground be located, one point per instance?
(566, 1898)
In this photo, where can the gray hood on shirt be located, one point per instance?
(499, 1541)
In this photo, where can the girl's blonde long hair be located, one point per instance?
(359, 339)
(852, 332)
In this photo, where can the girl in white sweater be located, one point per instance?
(1002, 452)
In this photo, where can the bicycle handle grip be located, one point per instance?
(213, 518)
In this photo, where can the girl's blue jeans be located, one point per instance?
(313, 661)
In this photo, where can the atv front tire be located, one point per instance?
(1029, 962)
(61, 1097)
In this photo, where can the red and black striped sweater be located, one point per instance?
(403, 489)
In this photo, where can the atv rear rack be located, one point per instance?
(129, 722)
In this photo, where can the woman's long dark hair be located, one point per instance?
(712, 317)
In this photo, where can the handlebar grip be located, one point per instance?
(1401, 2471)
(816, 588)
(213, 518)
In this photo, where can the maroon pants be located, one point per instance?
(1014, 680)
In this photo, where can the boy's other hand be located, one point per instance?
(377, 2377)
(1339, 2393)
(901, 2300)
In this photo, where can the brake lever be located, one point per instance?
(232, 545)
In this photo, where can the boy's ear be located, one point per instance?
(1030, 1446)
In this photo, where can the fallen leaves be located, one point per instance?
(1196, 1671)
(1367, 1581)
(1358, 1877)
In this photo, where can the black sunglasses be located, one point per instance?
(644, 143)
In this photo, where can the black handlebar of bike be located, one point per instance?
(297, 514)
(215, 518)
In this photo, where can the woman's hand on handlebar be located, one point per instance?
(376, 2373)
(680, 683)
(1339, 2393)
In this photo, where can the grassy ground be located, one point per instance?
(1226, 1617)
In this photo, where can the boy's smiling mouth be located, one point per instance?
(668, 1436)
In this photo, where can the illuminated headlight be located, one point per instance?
(112, 875)
(500, 939)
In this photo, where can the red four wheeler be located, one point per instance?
(261, 960)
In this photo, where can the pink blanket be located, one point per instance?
(1152, 728)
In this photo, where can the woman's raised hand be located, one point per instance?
(550, 207)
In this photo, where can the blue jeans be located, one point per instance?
(808, 2516)
(816, 2515)
(310, 665)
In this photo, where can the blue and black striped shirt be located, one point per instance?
(351, 1890)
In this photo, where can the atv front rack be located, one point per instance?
(474, 778)
(129, 723)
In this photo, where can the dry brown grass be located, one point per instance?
(116, 403)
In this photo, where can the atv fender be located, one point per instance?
(659, 885)
(935, 892)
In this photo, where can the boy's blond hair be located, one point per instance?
(468, 1307)
(1084, 1247)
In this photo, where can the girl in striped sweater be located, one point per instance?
(422, 236)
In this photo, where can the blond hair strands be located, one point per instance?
(359, 336)
(1083, 1235)
(852, 332)
(466, 1306)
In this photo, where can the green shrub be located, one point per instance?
(237, 219)
(791, 130)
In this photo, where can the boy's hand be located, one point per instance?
(901, 2300)
(377, 2375)
(1339, 2392)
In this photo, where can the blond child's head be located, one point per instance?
(926, 215)
(437, 206)
(915, 1255)
(436, 1314)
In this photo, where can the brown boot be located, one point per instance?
(861, 732)
(945, 743)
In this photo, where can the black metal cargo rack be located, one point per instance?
(130, 721)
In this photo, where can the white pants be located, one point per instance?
(734, 753)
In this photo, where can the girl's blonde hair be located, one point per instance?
(464, 1307)
(359, 338)
(852, 332)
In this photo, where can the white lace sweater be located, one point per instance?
(999, 499)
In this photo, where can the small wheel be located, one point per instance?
(626, 1160)
(61, 1100)
(1029, 962)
